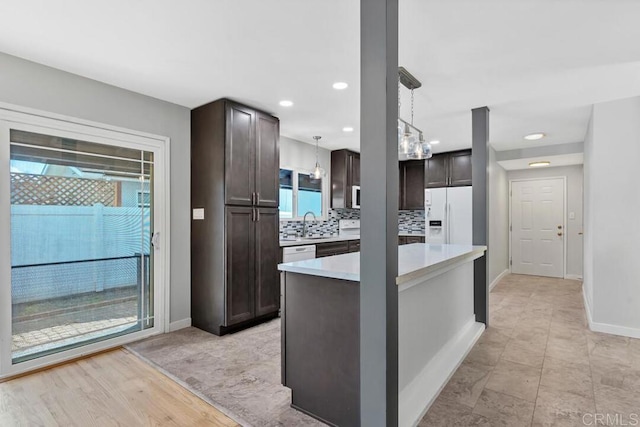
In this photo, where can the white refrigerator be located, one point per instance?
(448, 215)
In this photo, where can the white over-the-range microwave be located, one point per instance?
(355, 197)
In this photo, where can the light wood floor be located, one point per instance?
(110, 389)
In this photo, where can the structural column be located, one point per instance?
(379, 213)
(480, 178)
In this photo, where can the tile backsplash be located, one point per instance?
(411, 222)
(408, 222)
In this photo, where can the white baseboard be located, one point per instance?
(497, 279)
(573, 277)
(179, 324)
(607, 328)
(417, 396)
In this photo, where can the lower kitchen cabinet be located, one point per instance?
(240, 289)
(354, 245)
(247, 288)
(406, 240)
(331, 248)
(267, 252)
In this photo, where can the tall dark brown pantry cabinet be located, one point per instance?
(234, 229)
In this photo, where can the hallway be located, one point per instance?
(539, 364)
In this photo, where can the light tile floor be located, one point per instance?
(538, 364)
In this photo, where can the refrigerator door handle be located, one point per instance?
(449, 223)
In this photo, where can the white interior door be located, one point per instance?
(537, 235)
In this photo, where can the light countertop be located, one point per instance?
(338, 238)
(414, 260)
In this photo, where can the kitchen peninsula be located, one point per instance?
(320, 329)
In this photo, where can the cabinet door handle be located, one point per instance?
(258, 215)
(253, 215)
(257, 198)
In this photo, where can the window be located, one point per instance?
(299, 194)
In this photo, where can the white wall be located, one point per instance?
(300, 155)
(613, 222)
(498, 218)
(587, 284)
(574, 176)
(28, 84)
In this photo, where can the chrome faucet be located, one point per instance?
(304, 222)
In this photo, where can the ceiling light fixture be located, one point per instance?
(539, 164)
(347, 129)
(534, 136)
(434, 142)
(286, 103)
(340, 85)
(408, 146)
(317, 172)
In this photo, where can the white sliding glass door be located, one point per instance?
(83, 215)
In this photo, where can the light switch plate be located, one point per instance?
(572, 215)
(198, 213)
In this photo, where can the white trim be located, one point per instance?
(416, 398)
(573, 277)
(43, 362)
(18, 111)
(497, 279)
(565, 209)
(606, 328)
(13, 116)
(179, 324)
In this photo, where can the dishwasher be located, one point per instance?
(291, 254)
(298, 253)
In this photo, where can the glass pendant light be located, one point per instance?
(317, 172)
(406, 141)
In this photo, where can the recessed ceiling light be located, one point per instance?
(539, 164)
(534, 136)
(347, 129)
(340, 85)
(286, 103)
(434, 142)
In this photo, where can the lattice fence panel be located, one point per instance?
(29, 189)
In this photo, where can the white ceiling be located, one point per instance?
(559, 160)
(537, 64)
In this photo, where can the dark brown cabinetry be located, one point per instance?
(234, 249)
(412, 184)
(345, 173)
(448, 169)
(331, 248)
(460, 168)
(251, 156)
(406, 240)
(435, 172)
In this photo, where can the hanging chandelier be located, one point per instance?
(411, 142)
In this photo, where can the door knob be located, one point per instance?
(559, 234)
(559, 227)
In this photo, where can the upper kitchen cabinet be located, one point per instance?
(412, 184)
(251, 156)
(451, 169)
(460, 168)
(345, 173)
(435, 171)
